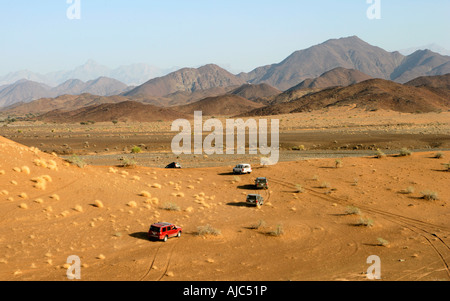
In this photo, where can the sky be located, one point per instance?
(239, 35)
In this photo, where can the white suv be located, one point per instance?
(242, 168)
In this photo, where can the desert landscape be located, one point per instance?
(333, 201)
(363, 170)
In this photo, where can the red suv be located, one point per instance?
(164, 231)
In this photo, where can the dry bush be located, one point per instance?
(278, 231)
(352, 210)
(404, 152)
(430, 195)
(383, 242)
(74, 159)
(365, 222)
(171, 207)
(325, 185)
(439, 155)
(258, 225)
(408, 190)
(207, 230)
(380, 154)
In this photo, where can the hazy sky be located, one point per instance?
(236, 34)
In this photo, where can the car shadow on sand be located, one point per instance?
(227, 174)
(247, 187)
(140, 235)
(240, 204)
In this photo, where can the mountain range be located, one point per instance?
(131, 75)
(336, 62)
(24, 91)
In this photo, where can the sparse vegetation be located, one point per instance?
(430, 195)
(258, 225)
(446, 166)
(299, 188)
(408, 190)
(380, 154)
(439, 155)
(404, 152)
(127, 162)
(325, 185)
(136, 150)
(352, 210)
(383, 242)
(171, 207)
(207, 230)
(76, 160)
(365, 222)
(278, 231)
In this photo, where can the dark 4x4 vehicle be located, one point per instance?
(262, 183)
(174, 165)
(255, 199)
(164, 231)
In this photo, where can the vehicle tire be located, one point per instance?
(179, 234)
(165, 238)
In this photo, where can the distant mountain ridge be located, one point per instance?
(132, 75)
(24, 91)
(372, 94)
(187, 80)
(349, 53)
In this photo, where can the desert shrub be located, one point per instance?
(171, 207)
(278, 231)
(74, 159)
(366, 222)
(383, 242)
(352, 210)
(127, 162)
(258, 225)
(380, 154)
(325, 185)
(136, 150)
(408, 190)
(207, 230)
(439, 155)
(430, 195)
(404, 152)
(299, 188)
(446, 166)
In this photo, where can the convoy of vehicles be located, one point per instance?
(163, 231)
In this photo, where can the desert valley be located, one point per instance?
(363, 170)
